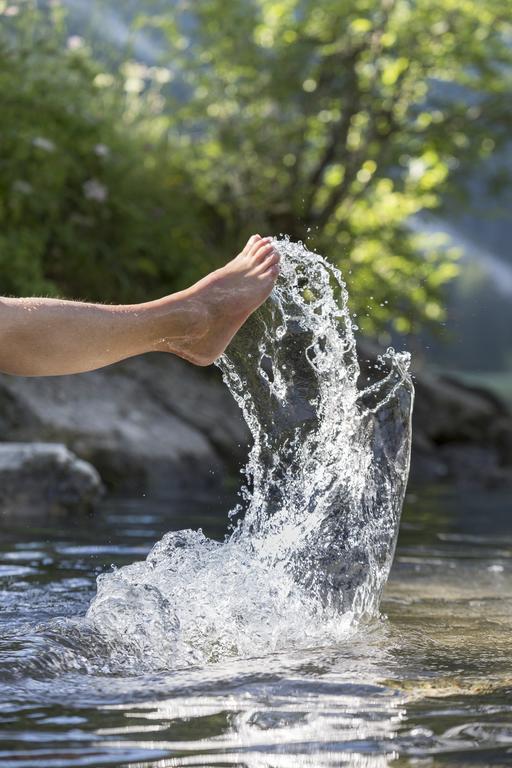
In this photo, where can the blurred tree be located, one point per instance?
(334, 122)
(93, 204)
(337, 121)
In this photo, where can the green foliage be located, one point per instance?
(92, 204)
(336, 122)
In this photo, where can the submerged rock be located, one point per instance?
(45, 478)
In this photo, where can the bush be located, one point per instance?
(332, 123)
(93, 204)
(337, 121)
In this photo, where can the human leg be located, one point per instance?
(50, 337)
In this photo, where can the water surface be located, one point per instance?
(268, 645)
(427, 684)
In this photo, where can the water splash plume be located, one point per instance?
(319, 514)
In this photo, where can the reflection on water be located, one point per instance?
(427, 684)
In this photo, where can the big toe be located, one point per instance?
(251, 241)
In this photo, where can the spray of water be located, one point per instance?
(316, 527)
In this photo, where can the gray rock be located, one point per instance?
(198, 397)
(461, 434)
(45, 478)
(157, 424)
(148, 424)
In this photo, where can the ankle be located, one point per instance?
(174, 321)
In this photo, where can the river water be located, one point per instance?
(151, 635)
(427, 683)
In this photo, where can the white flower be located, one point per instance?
(95, 190)
(103, 80)
(133, 85)
(160, 74)
(417, 168)
(135, 69)
(45, 144)
(135, 73)
(75, 42)
(23, 186)
(82, 221)
(11, 10)
(101, 150)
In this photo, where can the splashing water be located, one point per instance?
(325, 483)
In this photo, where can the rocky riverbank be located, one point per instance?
(158, 425)
(461, 434)
(45, 477)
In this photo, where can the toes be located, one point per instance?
(271, 264)
(273, 258)
(251, 242)
(271, 273)
(262, 249)
(260, 245)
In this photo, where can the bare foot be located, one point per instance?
(218, 305)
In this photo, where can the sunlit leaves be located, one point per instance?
(360, 25)
(347, 118)
(334, 121)
(334, 175)
(93, 203)
(392, 69)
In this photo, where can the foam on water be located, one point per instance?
(318, 518)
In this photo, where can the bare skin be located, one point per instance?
(50, 337)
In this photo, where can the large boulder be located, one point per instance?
(158, 424)
(461, 434)
(153, 423)
(45, 478)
